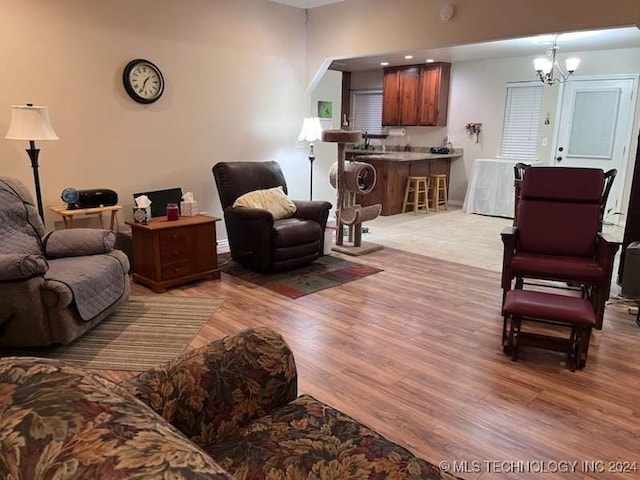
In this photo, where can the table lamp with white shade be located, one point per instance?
(29, 122)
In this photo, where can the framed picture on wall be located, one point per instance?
(325, 109)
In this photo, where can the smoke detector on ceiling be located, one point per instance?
(447, 12)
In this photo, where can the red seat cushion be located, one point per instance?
(559, 211)
(578, 185)
(549, 306)
(558, 228)
(556, 267)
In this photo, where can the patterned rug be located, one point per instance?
(325, 272)
(143, 332)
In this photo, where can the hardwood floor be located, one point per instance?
(414, 352)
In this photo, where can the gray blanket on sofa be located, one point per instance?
(20, 232)
(96, 281)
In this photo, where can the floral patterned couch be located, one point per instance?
(227, 410)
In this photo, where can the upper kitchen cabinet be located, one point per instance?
(434, 95)
(416, 95)
(391, 97)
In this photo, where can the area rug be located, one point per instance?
(326, 272)
(143, 332)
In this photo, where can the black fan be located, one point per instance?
(71, 196)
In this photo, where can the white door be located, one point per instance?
(594, 128)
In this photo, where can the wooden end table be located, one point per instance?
(169, 253)
(67, 214)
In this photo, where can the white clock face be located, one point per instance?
(145, 81)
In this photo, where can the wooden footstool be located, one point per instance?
(577, 314)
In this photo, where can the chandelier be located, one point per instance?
(549, 70)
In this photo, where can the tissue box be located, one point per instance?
(189, 209)
(142, 215)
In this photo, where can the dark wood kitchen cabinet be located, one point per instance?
(434, 95)
(410, 88)
(390, 98)
(401, 89)
(416, 95)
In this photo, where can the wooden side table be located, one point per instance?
(67, 215)
(169, 253)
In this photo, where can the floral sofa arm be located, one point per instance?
(78, 242)
(59, 421)
(210, 392)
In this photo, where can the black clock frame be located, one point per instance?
(129, 88)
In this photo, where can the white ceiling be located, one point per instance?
(306, 3)
(567, 42)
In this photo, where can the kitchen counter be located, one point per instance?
(404, 156)
(392, 170)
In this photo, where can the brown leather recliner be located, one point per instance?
(255, 239)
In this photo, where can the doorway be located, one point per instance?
(595, 116)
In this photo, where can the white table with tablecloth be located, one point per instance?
(490, 190)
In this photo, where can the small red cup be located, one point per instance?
(172, 212)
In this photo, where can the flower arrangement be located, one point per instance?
(473, 129)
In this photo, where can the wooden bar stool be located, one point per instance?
(417, 188)
(438, 187)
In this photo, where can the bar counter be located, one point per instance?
(392, 170)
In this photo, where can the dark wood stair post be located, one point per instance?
(632, 228)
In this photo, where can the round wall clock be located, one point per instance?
(143, 81)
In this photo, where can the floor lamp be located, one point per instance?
(310, 132)
(32, 123)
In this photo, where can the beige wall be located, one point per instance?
(329, 88)
(478, 94)
(235, 90)
(367, 27)
(236, 74)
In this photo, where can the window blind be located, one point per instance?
(593, 135)
(367, 111)
(521, 120)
